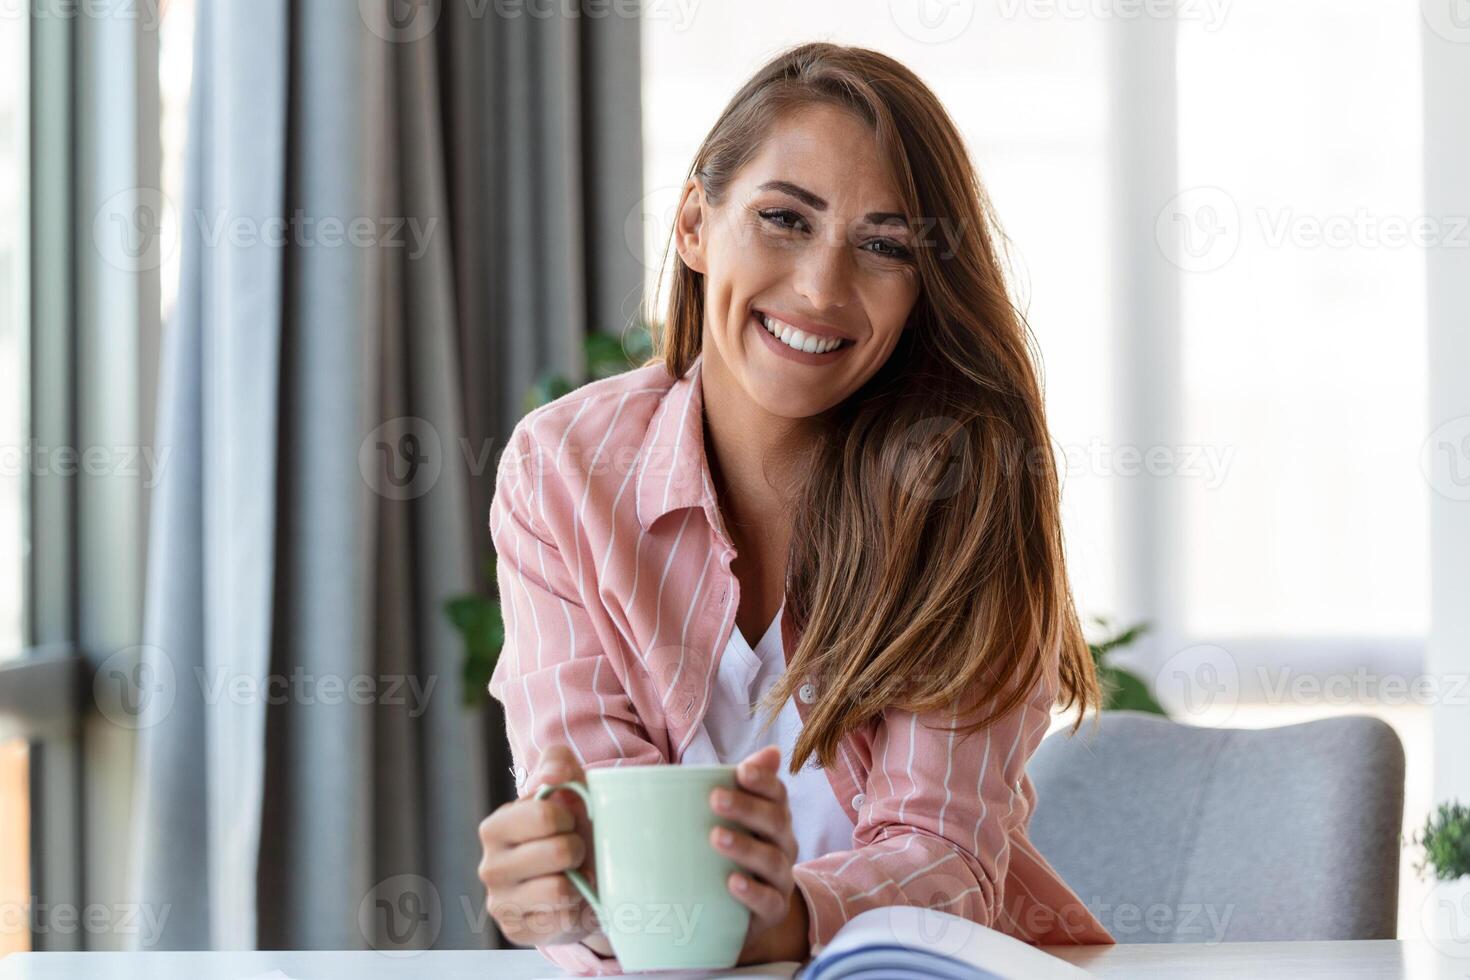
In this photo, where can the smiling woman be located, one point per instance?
(831, 495)
(814, 256)
(808, 203)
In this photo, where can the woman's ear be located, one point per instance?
(689, 226)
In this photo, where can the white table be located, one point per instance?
(1383, 960)
(1380, 959)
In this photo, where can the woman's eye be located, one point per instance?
(780, 218)
(893, 250)
(788, 220)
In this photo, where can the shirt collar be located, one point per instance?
(673, 470)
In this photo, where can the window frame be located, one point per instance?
(83, 71)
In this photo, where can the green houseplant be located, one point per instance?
(1444, 916)
(1122, 689)
(1445, 838)
(477, 617)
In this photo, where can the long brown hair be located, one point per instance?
(926, 567)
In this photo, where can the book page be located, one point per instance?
(781, 970)
(930, 932)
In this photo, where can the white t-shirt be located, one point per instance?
(732, 729)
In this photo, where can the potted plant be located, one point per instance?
(1122, 689)
(477, 616)
(1445, 840)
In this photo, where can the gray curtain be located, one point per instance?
(397, 214)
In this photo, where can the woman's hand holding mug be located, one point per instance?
(766, 851)
(527, 844)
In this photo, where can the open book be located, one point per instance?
(900, 942)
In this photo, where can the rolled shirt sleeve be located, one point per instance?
(943, 825)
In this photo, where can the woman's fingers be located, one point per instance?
(526, 820)
(547, 856)
(761, 858)
(761, 815)
(767, 904)
(528, 844)
(543, 910)
(758, 773)
(558, 765)
(764, 846)
(597, 941)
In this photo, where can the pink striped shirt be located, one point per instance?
(617, 594)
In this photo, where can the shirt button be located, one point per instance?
(807, 693)
(858, 801)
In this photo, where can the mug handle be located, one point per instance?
(572, 873)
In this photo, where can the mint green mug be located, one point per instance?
(661, 895)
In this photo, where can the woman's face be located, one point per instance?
(810, 237)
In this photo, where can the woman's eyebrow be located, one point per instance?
(820, 204)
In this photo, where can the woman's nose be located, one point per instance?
(825, 276)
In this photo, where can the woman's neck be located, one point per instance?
(742, 441)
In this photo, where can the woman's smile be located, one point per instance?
(794, 344)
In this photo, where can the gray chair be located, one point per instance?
(1172, 833)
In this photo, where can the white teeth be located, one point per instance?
(794, 338)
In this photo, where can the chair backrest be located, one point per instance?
(1174, 833)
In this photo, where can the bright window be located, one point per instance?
(1304, 343)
